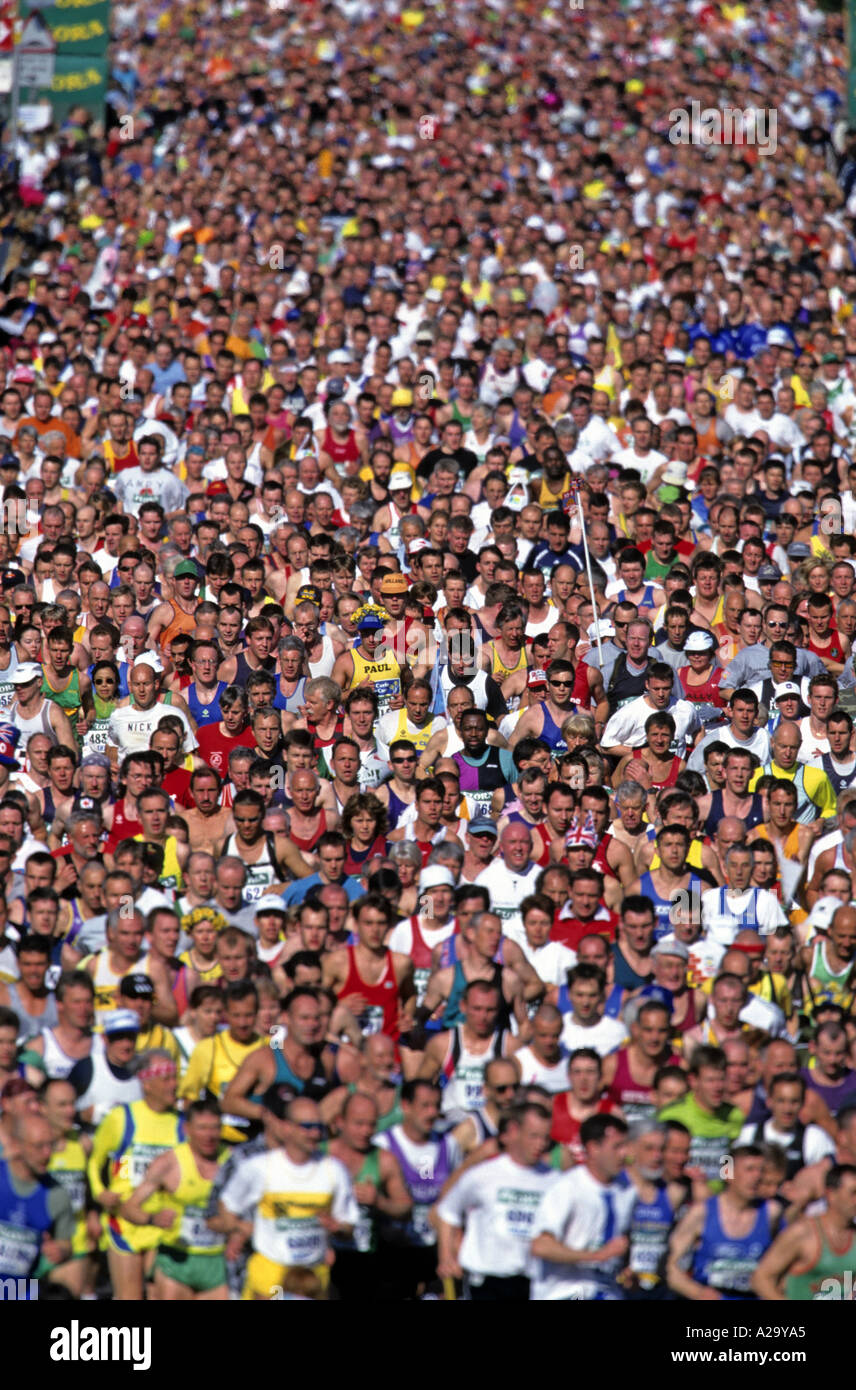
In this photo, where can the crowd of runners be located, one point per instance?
(428, 570)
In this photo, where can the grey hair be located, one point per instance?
(629, 791)
(323, 686)
(639, 1128)
(408, 851)
(449, 849)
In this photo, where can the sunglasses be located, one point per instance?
(559, 684)
(310, 1125)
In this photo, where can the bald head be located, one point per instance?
(786, 743)
(33, 1142)
(730, 831)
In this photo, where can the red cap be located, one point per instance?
(18, 1086)
(216, 489)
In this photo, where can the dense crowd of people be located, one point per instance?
(427, 758)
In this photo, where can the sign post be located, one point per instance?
(850, 12)
(33, 65)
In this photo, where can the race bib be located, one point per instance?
(19, 1249)
(196, 1232)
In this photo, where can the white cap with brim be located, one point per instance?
(26, 672)
(435, 876)
(121, 1021)
(270, 903)
(671, 946)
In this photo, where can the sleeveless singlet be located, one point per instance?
(424, 1187)
(190, 1231)
(363, 1237)
(106, 1089)
(836, 1097)
(650, 1228)
(290, 703)
(243, 669)
(106, 982)
(726, 919)
(171, 874)
(625, 1092)
(805, 812)
(30, 1026)
(754, 817)
(57, 1063)
(326, 661)
(463, 1087)
(184, 623)
(663, 906)
(498, 668)
(23, 1223)
(670, 778)
(7, 689)
(384, 675)
(708, 692)
(453, 1014)
(396, 808)
(480, 779)
(208, 713)
(67, 1167)
(307, 845)
(68, 698)
(262, 874)
(381, 1012)
(839, 780)
(39, 723)
(807, 1285)
(95, 738)
(623, 686)
(820, 971)
(789, 847)
(727, 1263)
(314, 1087)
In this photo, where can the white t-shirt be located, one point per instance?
(605, 1037)
(583, 1214)
(286, 1200)
(645, 464)
(131, 729)
(724, 918)
(497, 1202)
(551, 962)
(507, 891)
(627, 726)
(134, 486)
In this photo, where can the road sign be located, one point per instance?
(36, 68)
(36, 37)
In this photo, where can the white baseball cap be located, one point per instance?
(435, 876)
(27, 671)
(270, 903)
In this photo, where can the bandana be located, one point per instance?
(160, 1068)
(584, 835)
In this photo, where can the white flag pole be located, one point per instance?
(576, 487)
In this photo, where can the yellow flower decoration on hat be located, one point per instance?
(370, 610)
(203, 914)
